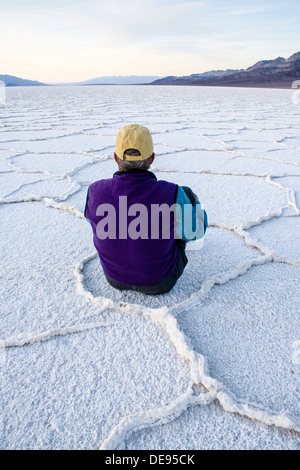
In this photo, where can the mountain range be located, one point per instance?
(10, 80)
(119, 80)
(276, 73)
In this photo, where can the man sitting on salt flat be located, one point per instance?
(140, 224)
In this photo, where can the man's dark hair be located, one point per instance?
(126, 165)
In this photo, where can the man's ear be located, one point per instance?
(152, 158)
(115, 157)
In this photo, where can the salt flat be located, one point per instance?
(215, 363)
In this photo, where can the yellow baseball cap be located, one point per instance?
(134, 136)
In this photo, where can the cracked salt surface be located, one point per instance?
(261, 309)
(50, 164)
(213, 363)
(209, 428)
(222, 253)
(293, 183)
(282, 232)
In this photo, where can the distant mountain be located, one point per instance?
(194, 78)
(10, 80)
(277, 73)
(117, 80)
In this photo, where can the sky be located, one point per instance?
(58, 41)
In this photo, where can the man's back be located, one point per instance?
(132, 244)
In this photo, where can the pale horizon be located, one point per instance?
(72, 41)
